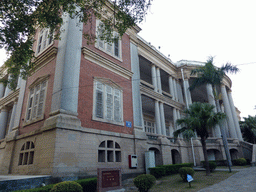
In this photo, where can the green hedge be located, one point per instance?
(239, 162)
(89, 185)
(212, 165)
(163, 170)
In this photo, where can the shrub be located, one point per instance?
(89, 185)
(184, 171)
(144, 182)
(240, 162)
(157, 172)
(212, 165)
(67, 186)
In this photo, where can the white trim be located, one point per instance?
(106, 83)
(104, 47)
(44, 43)
(42, 88)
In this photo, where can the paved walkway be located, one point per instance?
(243, 181)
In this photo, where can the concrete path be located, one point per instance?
(243, 181)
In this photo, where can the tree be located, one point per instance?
(209, 74)
(248, 128)
(200, 118)
(20, 18)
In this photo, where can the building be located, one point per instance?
(90, 106)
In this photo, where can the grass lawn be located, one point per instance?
(174, 182)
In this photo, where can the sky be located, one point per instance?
(195, 30)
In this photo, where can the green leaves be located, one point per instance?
(200, 117)
(20, 18)
(209, 74)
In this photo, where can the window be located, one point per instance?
(149, 126)
(44, 40)
(36, 101)
(107, 102)
(109, 151)
(114, 48)
(27, 153)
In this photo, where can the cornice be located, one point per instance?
(157, 59)
(10, 98)
(44, 58)
(164, 99)
(106, 63)
(227, 81)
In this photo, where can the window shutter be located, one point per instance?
(99, 104)
(117, 106)
(45, 38)
(109, 48)
(41, 100)
(109, 103)
(100, 42)
(39, 44)
(30, 104)
(116, 46)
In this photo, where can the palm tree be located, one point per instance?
(200, 118)
(248, 128)
(209, 74)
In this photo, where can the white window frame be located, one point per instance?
(149, 128)
(106, 116)
(44, 40)
(36, 90)
(108, 48)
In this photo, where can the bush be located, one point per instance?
(168, 169)
(212, 165)
(144, 182)
(67, 186)
(184, 171)
(240, 162)
(89, 185)
(157, 172)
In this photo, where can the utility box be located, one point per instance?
(149, 160)
(133, 161)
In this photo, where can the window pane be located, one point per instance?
(118, 156)
(110, 144)
(31, 157)
(116, 48)
(20, 159)
(101, 156)
(99, 104)
(102, 144)
(110, 156)
(25, 162)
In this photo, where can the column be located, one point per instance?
(11, 124)
(174, 118)
(186, 92)
(171, 87)
(136, 96)
(176, 90)
(66, 77)
(163, 126)
(157, 117)
(3, 122)
(180, 96)
(159, 85)
(7, 89)
(2, 88)
(233, 110)
(154, 78)
(211, 100)
(228, 112)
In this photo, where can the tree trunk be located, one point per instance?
(205, 156)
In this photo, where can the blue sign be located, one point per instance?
(189, 178)
(128, 124)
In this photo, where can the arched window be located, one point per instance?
(109, 151)
(27, 153)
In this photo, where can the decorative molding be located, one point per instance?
(106, 63)
(44, 58)
(39, 80)
(12, 97)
